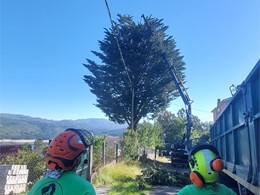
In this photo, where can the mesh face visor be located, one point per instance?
(85, 136)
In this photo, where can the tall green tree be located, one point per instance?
(138, 84)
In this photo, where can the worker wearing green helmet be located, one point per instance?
(205, 163)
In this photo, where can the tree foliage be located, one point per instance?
(40, 146)
(127, 92)
(200, 131)
(135, 143)
(26, 156)
(174, 127)
(129, 145)
(149, 135)
(97, 150)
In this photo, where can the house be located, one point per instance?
(221, 105)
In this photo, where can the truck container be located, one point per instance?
(236, 135)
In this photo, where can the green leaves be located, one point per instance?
(127, 92)
(155, 173)
(173, 127)
(147, 136)
(35, 162)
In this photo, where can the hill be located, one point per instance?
(14, 126)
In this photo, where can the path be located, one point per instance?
(157, 190)
(102, 190)
(164, 190)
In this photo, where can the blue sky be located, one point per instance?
(45, 42)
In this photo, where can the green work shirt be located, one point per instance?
(68, 184)
(193, 190)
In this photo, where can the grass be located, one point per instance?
(121, 177)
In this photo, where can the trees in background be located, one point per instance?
(138, 84)
(147, 136)
(200, 130)
(173, 127)
(34, 160)
(97, 150)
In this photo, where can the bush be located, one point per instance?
(130, 145)
(153, 173)
(97, 151)
(26, 156)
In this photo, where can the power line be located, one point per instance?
(199, 110)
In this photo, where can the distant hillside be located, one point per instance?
(25, 127)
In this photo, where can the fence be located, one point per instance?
(110, 152)
(13, 178)
(34, 162)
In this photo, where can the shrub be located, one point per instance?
(153, 173)
(26, 156)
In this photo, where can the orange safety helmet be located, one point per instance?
(65, 149)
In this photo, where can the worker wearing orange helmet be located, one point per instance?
(205, 163)
(63, 156)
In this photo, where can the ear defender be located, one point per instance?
(197, 179)
(217, 165)
(198, 176)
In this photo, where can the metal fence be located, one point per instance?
(32, 166)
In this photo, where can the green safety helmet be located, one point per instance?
(204, 162)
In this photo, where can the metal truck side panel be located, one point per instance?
(236, 133)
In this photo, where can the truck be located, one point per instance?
(235, 133)
(179, 150)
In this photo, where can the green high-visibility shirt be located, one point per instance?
(68, 184)
(193, 190)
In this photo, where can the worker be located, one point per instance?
(63, 155)
(205, 163)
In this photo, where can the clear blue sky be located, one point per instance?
(45, 42)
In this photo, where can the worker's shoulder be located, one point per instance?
(72, 177)
(188, 189)
(69, 183)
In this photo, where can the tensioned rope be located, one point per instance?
(118, 45)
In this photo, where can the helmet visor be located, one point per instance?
(85, 136)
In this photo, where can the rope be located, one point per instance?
(118, 46)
